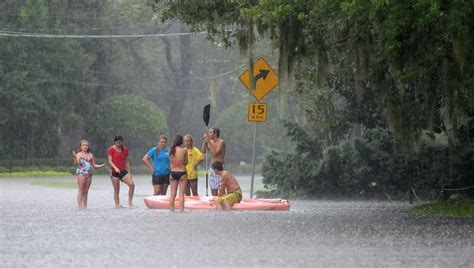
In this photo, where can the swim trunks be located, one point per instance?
(160, 179)
(120, 175)
(214, 179)
(232, 198)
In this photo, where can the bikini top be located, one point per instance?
(177, 162)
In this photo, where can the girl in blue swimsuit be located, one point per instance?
(85, 168)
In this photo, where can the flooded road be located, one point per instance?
(41, 226)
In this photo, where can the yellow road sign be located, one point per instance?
(264, 76)
(257, 112)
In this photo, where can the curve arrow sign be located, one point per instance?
(262, 74)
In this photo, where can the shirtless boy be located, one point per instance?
(229, 189)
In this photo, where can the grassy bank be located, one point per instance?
(68, 170)
(451, 208)
(57, 184)
(35, 173)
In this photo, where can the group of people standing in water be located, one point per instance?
(175, 166)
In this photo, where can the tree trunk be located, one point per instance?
(180, 73)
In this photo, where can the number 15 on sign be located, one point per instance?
(257, 112)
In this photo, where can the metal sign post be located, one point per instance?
(253, 158)
(257, 113)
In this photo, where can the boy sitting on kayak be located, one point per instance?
(229, 189)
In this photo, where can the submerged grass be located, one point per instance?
(56, 184)
(451, 208)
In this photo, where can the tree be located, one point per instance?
(240, 23)
(138, 120)
(398, 59)
(37, 105)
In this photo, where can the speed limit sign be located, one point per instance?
(257, 112)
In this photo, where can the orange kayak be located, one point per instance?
(206, 203)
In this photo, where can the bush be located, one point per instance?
(38, 164)
(43, 165)
(279, 172)
(370, 166)
(138, 120)
(286, 173)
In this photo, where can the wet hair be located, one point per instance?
(178, 140)
(118, 138)
(189, 136)
(162, 137)
(218, 165)
(80, 145)
(158, 149)
(216, 130)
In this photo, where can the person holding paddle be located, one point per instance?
(216, 146)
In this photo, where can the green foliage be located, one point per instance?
(370, 166)
(56, 184)
(389, 64)
(34, 173)
(37, 107)
(233, 23)
(280, 172)
(36, 162)
(138, 120)
(462, 158)
(405, 66)
(50, 86)
(306, 144)
(287, 173)
(451, 208)
(34, 167)
(222, 18)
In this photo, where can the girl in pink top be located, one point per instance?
(120, 170)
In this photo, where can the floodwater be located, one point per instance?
(40, 226)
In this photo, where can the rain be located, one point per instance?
(340, 112)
